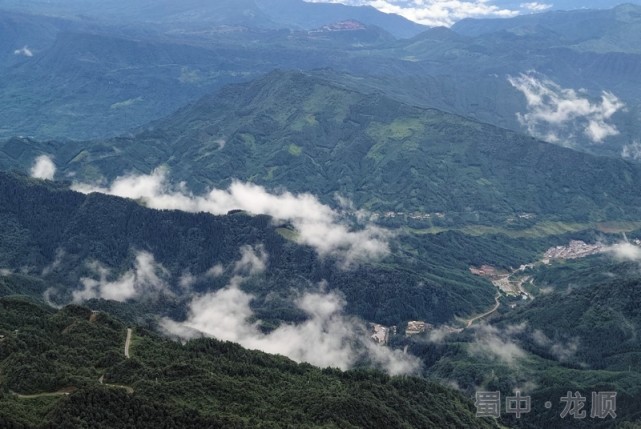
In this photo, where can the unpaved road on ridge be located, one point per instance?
(62, 392)
(67, 391)
(127, 343)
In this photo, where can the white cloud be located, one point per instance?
(493, 343)
(439, 334)
(318, 225)
(43, 168)
(546, 290)
(540, 339)
(563, 351)
(625, 251)
(515, 329)
(433, 12)
(24, 51)
(632, 151)
(145, 280)
(187, 280)
(535, 6)
(47, 295)
(253, 261)
(215, 271)
(55, 264)
(327, 338)
(556, 114)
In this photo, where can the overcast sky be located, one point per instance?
(447, 12)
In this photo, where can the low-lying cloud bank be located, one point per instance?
(147, 279)
(318, 225)
(43, 168)
(24, 51)
(557, 114)
(625, 251)
(494, 343)
(632, 151)
(505, 344)
(562, 350)
(328, 337)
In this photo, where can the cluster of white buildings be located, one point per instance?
(576, 249)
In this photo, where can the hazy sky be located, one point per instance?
(447, 12)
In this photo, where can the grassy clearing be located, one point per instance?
(288, 234)
(295, 150)
(542, 229)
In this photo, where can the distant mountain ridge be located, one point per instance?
(312, 135)
(616, 29)
(159, 68)
(192, 14)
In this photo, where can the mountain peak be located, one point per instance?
(628, 13)
(439, 33)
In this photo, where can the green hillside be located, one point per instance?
(166, 60)
(579, 333)
(67, 369)
(304, 214)
(425, 278)
(596, 302)
(310, 135)
(84, 80)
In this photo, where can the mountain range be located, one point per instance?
(482, 69)
(56, 234)
(195, 15)
(280, 213)
(289, 129)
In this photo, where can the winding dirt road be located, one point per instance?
(62, 392)
(127, 343)
(69, 390)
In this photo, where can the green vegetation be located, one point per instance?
(384, 155)
(537, 230)
(579, 334)
(363, 125)
(294, 150)
(594, 302)
(426, 277)
(41, 221)
(82, 67)
(44, 222)
(204, 383)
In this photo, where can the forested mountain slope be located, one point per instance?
(311, 135)
(204, 383)
(471, 73)
(56, 234)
